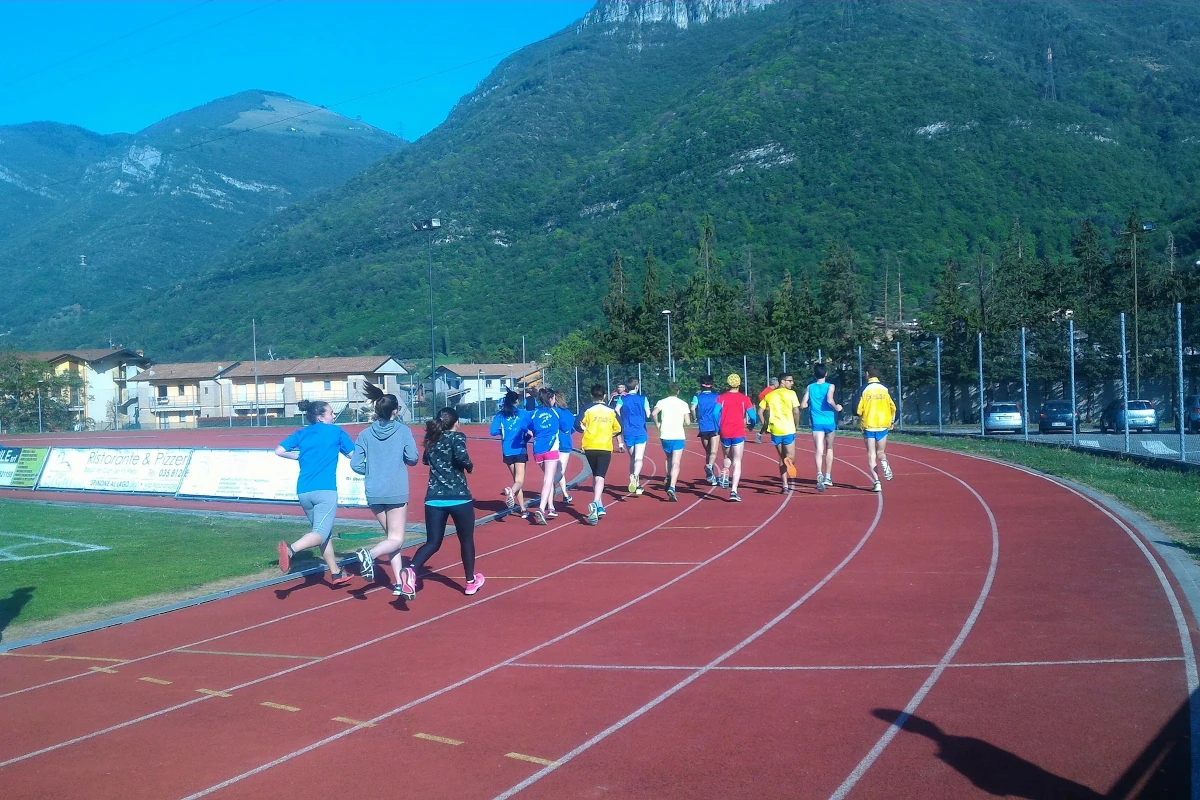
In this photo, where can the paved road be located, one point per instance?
(1160, 445)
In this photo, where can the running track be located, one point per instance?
(974, 631)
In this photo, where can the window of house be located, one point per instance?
(162, 391)
(488, 383)
(328, 385)
(206, 390)
(181, 389)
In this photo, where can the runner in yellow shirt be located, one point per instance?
(599, 424)
(782, 411)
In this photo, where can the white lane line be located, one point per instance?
(537, 648)
(353, 648)
(648, 563)
(695, 675)
(855, 667)
(869, 759)
(283, 618)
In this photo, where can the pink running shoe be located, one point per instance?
(408, 583)
(285, 556)
(475, 584)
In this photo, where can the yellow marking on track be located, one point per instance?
(279, 706)
(214, 693)
(48, 657)
(159, 681)
(532, 759)
(429, 737)
(251, 655)
(103, 669)
(356, 722)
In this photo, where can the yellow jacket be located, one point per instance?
(875, 407)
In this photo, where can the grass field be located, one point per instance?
(147, 553)
(1168, 497)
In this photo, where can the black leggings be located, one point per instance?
(463, 515)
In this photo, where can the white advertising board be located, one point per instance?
(259, 475)
(94, 469)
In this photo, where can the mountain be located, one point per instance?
(911, 131)
(148, 210)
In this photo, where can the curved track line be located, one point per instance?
(893, 729)
(1185, 639)
(356, 647)
(595, 620)
(604, 734)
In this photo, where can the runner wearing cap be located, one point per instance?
(782, 409)
(735, 409)
(707, 415)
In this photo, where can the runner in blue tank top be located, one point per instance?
(634, 410)
(707, 413)
(822, 410)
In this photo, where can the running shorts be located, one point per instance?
(731, 441)
(320, 507)
(827, 428)
(789, 438)
(383, 508)
(672, 445)
(549, 455)
(706, 436)
(519, 458)
(634, 439)
(878, 436)
(598, 461)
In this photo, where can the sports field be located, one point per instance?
(974, 630)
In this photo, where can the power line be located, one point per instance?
(102, 45)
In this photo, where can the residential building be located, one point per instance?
(178, 395)
(471, 384)
(275, 387)
(104, 401)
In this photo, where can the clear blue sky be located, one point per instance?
(118, 77)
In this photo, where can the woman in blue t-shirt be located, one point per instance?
(316, 447)
(511, 424)
(566, 429)
(543, 422)
(822, 410)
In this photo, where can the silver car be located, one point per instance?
(1002, 418)
(1142, 417)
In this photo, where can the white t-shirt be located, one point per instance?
(673, 412)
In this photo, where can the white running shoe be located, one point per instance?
(887, 470)
(828, 479)
(877, 487)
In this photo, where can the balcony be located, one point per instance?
(186, 401)
(265, 398)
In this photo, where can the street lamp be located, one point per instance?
(670, 358)
(1144, 227)
(39, 398)
(429, 226)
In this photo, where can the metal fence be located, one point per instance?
(948, 384)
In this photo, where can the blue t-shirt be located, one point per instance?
(634, 410)
(319, 445)
(513, 432)
(820, 411)
(544, 424)
(708, 412)
(566, 427)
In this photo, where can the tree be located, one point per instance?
(950, 319)
(843, 309)
(23, 382)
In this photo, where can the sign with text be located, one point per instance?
(94, 469)
(20, 466)
(259, 475)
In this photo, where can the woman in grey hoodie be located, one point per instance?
(383, 454)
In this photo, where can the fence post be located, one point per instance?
(642, 386)
(708, 366)
(746, 375)
(899, 388)
(1024, 390)
(783, 364)
(938, 346)
(982, 427)
(576, 391)
(860, 367)
(1124, 383)
(607, 381)
(1181, 412)
(768, 371)
(1074, 407)
(820, 356)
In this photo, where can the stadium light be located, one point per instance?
(429, 226)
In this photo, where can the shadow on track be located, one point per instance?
(10, 607)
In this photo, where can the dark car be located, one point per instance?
(1055, 416)
(1142, 417)
(1191, 414)
(1002, 418)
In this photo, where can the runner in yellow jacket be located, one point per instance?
(876, 411)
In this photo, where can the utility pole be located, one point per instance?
(887, 282)
(254, 346)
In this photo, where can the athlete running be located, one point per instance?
(822, 411)
(634, 409)
(511, 424)
(671, 415)
(876, 411)
(770, 387)
(600, 426)
(706, 412)
(735, 409)
(782, 410)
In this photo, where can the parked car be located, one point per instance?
(1191, 414)
(1143, 416)
(1055, 416)
(1002, 418)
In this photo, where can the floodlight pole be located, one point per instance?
(429, 226)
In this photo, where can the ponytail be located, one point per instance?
(385, 404)
(446, 419)
(508, 407)
(312, 409)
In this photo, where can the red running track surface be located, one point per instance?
(973, 631)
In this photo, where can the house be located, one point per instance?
(470, 384)
(104, 401)
(178, 395)
(275, 387)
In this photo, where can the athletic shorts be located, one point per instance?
(828, 428)
(673, 445)
(706, 436)
(787, 438)
(598, 461)
(549, 455)
(383, 508)
(320, 507)
(519, 458)
(730, 442)
(634, 439)
(878, 436)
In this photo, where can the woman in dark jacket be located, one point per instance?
(447, 497)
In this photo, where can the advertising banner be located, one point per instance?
(94, 469)
(258, 475)
(20, 466)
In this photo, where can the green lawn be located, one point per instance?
(150, 553)
(1170, 498)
